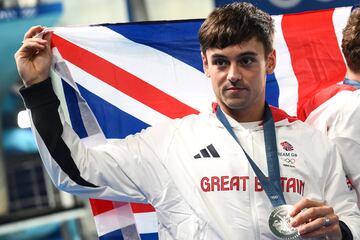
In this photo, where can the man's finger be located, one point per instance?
(47, 37)
(29, 48)
(331, 232)
(31, 43)
(33, 31)
(38, 40)
(311, 214)
(303, 204)
(318, 224)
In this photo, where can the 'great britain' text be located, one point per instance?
(241, 183)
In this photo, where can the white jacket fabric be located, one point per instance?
(335, 111)
(192, 171)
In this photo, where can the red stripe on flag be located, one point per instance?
(142, 208)
(313, 35)
(101, 206)
(121, 80)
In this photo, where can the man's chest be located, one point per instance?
(215, 162)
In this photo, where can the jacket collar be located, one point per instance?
(280, 117)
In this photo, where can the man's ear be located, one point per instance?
(205, 64)
(271, 62)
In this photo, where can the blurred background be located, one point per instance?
(30, 207)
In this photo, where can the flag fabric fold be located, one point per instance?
(120, 78)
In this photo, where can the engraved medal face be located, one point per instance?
(279, 223)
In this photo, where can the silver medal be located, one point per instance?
(279, 223)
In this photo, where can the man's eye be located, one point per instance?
(220, 62)
(247, 60)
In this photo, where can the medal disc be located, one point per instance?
(279, 223)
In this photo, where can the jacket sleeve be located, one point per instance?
(339, 196)
(122, 170)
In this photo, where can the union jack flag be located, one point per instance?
(120, 78)
(287, 146)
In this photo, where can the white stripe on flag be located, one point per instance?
(340, 17)
(148, 64)
(115, 97)
(58, 88)
(114, 219)
(89, 120)
(146, 222)
(284, 73)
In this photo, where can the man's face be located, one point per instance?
(238, 75)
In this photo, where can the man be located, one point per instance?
(198, 197)
(336, 110)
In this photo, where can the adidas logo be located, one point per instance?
(207, 152)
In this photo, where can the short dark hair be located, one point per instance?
(351, 41)
(236, 23)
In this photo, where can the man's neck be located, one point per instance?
(240, 116)
(352, 75)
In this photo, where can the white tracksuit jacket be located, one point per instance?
(192, 171)
(336, 112)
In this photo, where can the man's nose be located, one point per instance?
(234, 73)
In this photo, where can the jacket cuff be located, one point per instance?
(39, 94)
(345, 231)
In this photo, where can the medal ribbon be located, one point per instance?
(352, 83)
(271, 185)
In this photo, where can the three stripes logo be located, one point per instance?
(207, 152)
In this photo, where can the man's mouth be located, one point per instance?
(236, 88)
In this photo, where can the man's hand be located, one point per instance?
(33, 59)
(315, 219)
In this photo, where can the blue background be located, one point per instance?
(303, 5)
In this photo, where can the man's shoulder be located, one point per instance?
(335, 93)
(184, 121)
(291, 127)
(280, 115)
(289, 124)
(282, 119)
